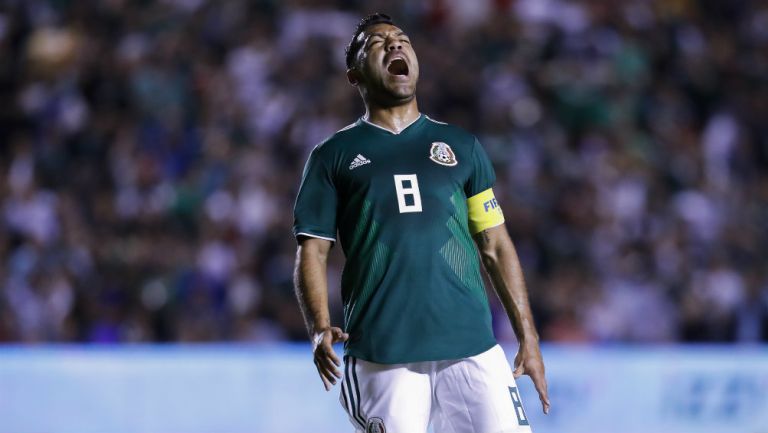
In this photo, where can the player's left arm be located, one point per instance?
(503, 266)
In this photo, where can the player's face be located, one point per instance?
(388, 66)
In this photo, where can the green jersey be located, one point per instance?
(411, 286)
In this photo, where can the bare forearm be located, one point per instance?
(311, 284)
(312, 292)
(503, 266)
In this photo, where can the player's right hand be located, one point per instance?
(326, 360)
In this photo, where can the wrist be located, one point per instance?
(320, 326)
(528, 338)
(316, 333)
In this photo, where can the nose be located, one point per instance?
(393, 45)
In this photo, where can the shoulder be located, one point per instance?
(332, 144)
(457, 134)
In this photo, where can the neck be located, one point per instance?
(395, 118)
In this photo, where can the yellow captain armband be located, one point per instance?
(484, 211)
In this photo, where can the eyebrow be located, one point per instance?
(383, 36)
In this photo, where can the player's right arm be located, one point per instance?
(311, 284)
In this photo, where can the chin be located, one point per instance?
(392, 94)
(396, 99)
(404, 95)
(403, 92)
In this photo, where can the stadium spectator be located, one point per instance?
(149, 153)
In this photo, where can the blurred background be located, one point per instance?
(150, 153)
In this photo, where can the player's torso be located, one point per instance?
(410, 182)
(412, 272)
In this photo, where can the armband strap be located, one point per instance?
(484, 211)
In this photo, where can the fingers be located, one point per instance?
(326, 372)
(331, 356)
(519, 365)
(326, 362)
(326, 383)
(519, 371)
(540, 383)
(545, 404)
(328, 365)
(533, 366)
(541, 388)
(339, 336)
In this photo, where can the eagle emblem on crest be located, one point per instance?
(375, 425)
(442, 154)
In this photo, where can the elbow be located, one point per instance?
(313, 250)
(494, 246)
(489, 257)
(314, 254)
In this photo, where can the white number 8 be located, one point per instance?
(403, 191)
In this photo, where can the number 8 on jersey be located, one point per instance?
(407, 185)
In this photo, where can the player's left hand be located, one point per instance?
(528, 361)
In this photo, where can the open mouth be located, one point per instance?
(398, 67)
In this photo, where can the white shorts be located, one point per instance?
(471, 395)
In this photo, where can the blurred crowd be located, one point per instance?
(150, 153)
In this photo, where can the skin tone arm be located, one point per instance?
(311, 284)
(503, 266)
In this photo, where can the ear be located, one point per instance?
(353, 76)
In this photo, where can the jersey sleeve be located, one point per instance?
(314, 213)
(482, 176)
(483, 210)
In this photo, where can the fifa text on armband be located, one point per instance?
(490, 204)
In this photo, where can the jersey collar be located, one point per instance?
(416, 120)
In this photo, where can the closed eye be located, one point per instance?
(373, 40)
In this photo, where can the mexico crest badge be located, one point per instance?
(442, 154)
(375, 425)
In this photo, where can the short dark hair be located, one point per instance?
(354, 46)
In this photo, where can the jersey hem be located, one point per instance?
(461, 355)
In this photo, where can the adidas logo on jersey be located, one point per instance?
(358, 161)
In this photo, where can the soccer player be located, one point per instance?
(407, 195)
